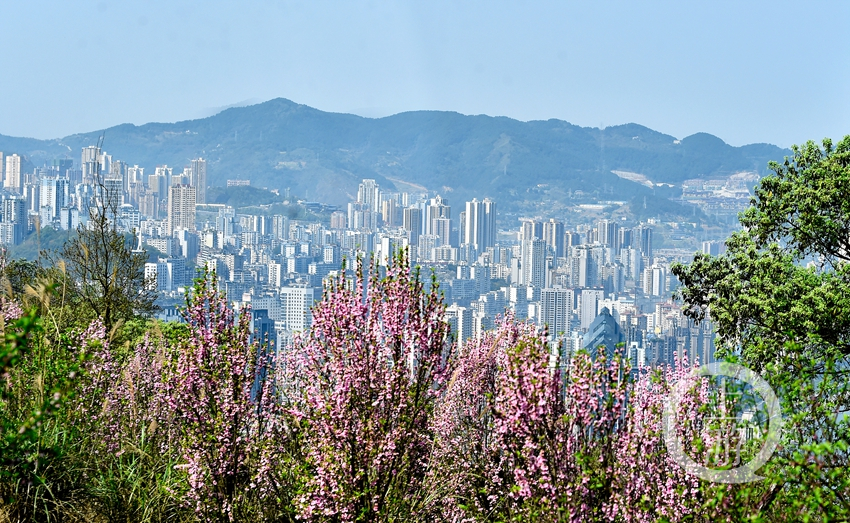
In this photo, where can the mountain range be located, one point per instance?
(322, 156)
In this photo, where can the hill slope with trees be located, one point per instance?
(323, 156)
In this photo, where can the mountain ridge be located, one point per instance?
(323, 156)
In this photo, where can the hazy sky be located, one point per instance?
(749, 71)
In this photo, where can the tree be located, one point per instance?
(786, 276)
(780, 298)
(109, 274)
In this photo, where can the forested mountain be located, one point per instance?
(323, 156)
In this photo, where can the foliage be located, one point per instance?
(243, 196)
(780, 298)
(45, 240)
(37, 378)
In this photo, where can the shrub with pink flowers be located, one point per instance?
(365, 380)
(373, 414)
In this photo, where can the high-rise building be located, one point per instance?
(331, 255)
(642, 239)
(553, 235)
(184, 178)
(53, 195)
(613, 278)
(361, 216)
(90, 163)
(105, 163)
(113, 194)
(166, 274)
(181, 208)
(149, 205)
(189, 243)
(32, 194)
(412, 223)
(134, 193)
(608, 234)
(69, 218)
(603, 334)
(129, 218)
(533, 263)
(442, 228)
(338, 220)
(83, 197)
(136, 174)
(118, 169)
(61, 166)
(390, 213)
(390, 246)
(225, 223)
(531, 229)
(583, 267)
(516, 298)
(369, 193)
(478, 224)
(14, 225)
(632, 262)
(2, 166)
(199, 179)
(12, 181)
(15, 211)
(157, 185)
(588, 308)
(296, 304)
(625, 239)
(556, 309)
(167, 173)
(655, 281)
(460, 323)
(437, 208)
(280, 226)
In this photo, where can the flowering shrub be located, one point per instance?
(10, 310)
(209, 389)
(648, 484)
(375, 415)
(365, 380)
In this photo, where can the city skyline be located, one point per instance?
(589, 282)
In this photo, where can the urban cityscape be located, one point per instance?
(452, 262)
(599, 284)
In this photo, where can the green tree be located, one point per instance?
(109, 274)
(780, 300)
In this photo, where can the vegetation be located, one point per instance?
(109, 276)
(45, 240)
(374, 415)
(780, 297)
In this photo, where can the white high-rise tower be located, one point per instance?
(479, 224)
(13, 173)
(369, 193)
(199, 179)
(181, 208)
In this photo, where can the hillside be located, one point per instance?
(323, 156)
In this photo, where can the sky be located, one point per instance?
(747, 72)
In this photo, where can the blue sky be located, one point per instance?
(769, 71)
